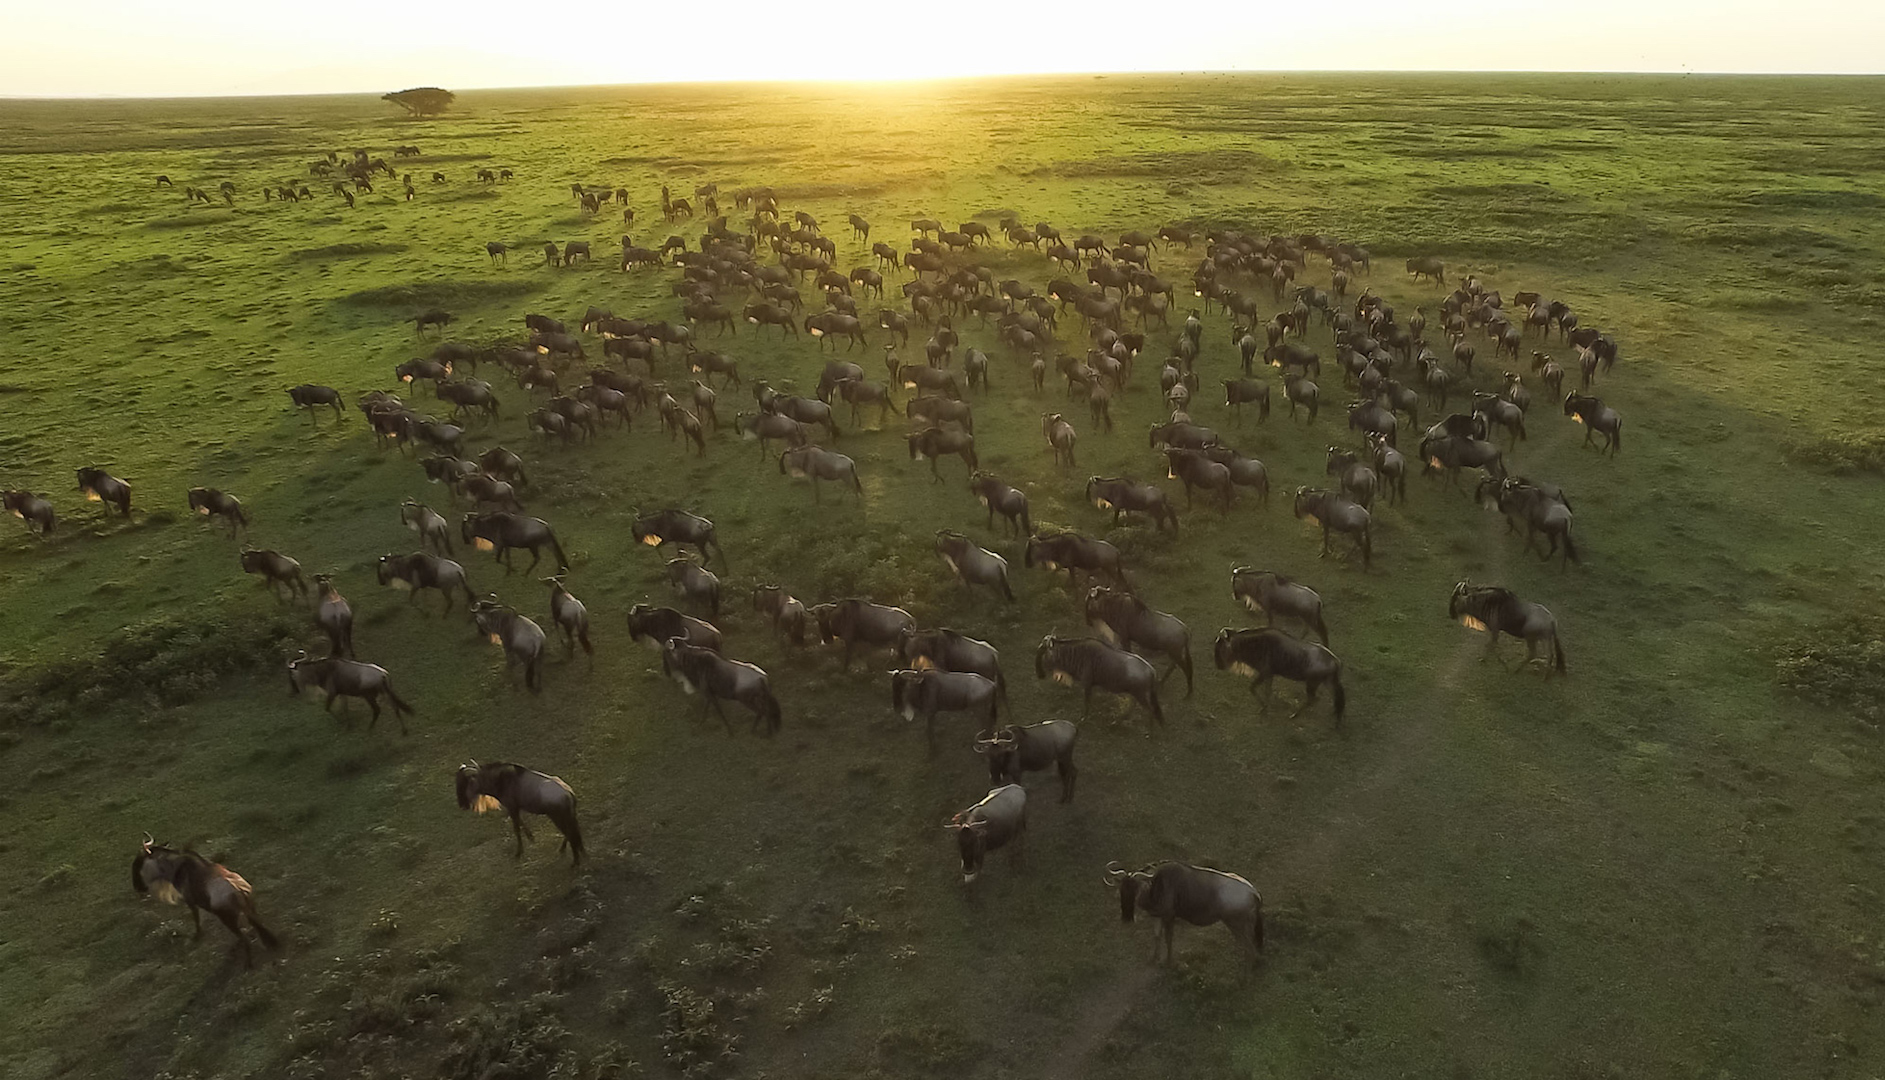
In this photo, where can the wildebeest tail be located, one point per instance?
(1340, 695)
(565, 820)
(1557, 653)
(562, 560)
(399, 704)
(262, 933)
(533, 674)
(1027, 525)
(771, 713)
(1616, 438)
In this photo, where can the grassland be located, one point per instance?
(1666, 865)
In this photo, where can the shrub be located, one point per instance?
(1842, 455)
(1842, 665)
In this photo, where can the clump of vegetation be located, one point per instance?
(521, 1039)
(1511, 947)
(1842, 455)
(691, 1038)
(422, 100)
(1842, 666)
(929, 1048)
(435, 294)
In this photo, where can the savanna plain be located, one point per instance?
(1667, 863)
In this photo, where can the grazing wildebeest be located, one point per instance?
(210, 502)
(30, 508)
(276, 569)
(498, 252)
(310, 397)
(1496, 611)
(678, 527)
(423, 570)
(1273, 594)
(1072, 552)
(1123, 620)
(336, 677)
(334, 616)
(520, 637)
(1597, 418)
(432, 528)
(1015, 750)
(570, 616)
(858, 622)
(695, 583)
(174, 876)
(517, 791)
(999, 819)
(821, 464)
(930, 691)
(500, 531)
(1336, 513)
(1126, 496)
(1091, 663)
(999, 497)
(100, 486)
(705, 672)
(1197, 894)
(1060, 438)
(658, 625)
(972, 564)
(1267, 653)
(935, 443)
(1427, 266)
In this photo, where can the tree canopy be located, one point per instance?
(422, 100)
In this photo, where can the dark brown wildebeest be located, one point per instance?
(1549, 372)
(807, 411)
(1195, 469)
(1124, 621)
(940, 411)
(973, 564)
(766, 427)
(929, 691)
(821, 464)
(705, 672)
(925, 226)
(860, 228)
(1091, 663)
(1000, 819)
(517, 791)
(1014, 751)
(30, 508)
(934, 443)
(1427, 266)
(658, 625)
(715, 363)
(1273, 594)
(1197, 894)
(210, 502)
(1597, 418)
(485, 491)
(998, 497)
(431, 370)
(334, 616)
(1390, 466)
(835, 372)
(1060, 438)
(500, 531)
(570, 616)
(1357, 479)
(436, 318)
(1239, 392)
(275, 569)
(1336, 513)
(664, 527)
(423, 570)
(517, 634)
(857, 393)
(201, 885)
(1541, 511)
(432, 528)
(497, 252)
(1073, 553)
(858, 622)
(1370, 417)
(335, 677)
(1245, 471)
(310, 397)
(951, 650)
(1456, 452)
(1496, 611)
(1268, 653)
(164, 181)
(468, 394)
(1496, 411)
(695, 583)
(1126, 496)
(1179, 433)
(782, 610)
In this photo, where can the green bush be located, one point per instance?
(1842, 666)
(1842, 455)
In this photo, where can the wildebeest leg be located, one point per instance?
(1086, 702)
(1309, 696)
(373, 700)
(536, 556)
(1492, 644)
(230, 919)
(517, 830)
(196, 917)
(714, 702)
(1170, 925)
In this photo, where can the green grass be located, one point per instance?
(1666, 865)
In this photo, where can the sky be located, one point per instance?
(139, 48)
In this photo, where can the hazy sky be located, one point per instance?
(157, 47)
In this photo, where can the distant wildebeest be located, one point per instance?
(930, 691)
(1197, 894)
(971, 563)
(1337, 513)
(1073, 553)
(517, 634)
(1060, 438)
(1597, 418)
(705, 672)
(336, 677)
(998, 497)
(1090, 663)
(1015, 750)
(695, 583)
(1125, 621)
(275, 569)
(500, 531)
(35, 511)
(1273, 594)
(656, 626)
(334, 616)
(1496, 611)
(1268, 653)
(861, 623)
(310, 397)
(210, 502)
(570, 616)
(664, 527)
(436, 318)
(1542, 509)
(935, 443)
(1126, 496)
(432, 528)
(821, 464)
(422, 570)
(1000, 819)
(1427, 266)
(517, 791)
(174, 876)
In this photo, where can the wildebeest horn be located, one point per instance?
(148, 841)
(1115, 873)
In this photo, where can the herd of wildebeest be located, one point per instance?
(752, 272)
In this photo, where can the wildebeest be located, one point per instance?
(1427, 266)
(971, 563)
(1060, 438)
(705, 672)
(1541, 512)
(930, 691)
(519, 635)
(310, 397)
(1273, 594)
(30, 508)
(1499, 412)
(423, 570)
(468, 394)
(1197, 894)
(1125, 621)
(1015, 750)
(656, 625)
(100, 486)
(276, 569)
(1455, 452)
(951, 650)
(821, 464)
(1245, 471)
(1195, 469)
(940, 410)
(1000, 819)
(497, 251)
(1126, 496)
(210, 502)
(1496, 611)
(997, 496)
(1090, 663)
(858, 622)
(1336, 513)
(1358, 480)
(1073, 553)
(933, 443)
(336, 677)
(695, 583)
(334, 616)
(201, 885)
(570, 616)
(1239, 392)
(435, 318)
(517, 791)
(1597, 418)
(500, 531)
(664, 527)
(1267, 653)
(432, 528)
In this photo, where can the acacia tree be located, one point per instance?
(422, 100)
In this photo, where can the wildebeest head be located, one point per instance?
(1131, 885)
(297, 676)
(971, 843)
(1042, 653)
(471, 795)
(1002, 751)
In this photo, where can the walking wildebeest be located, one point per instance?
(820, 464)
(334, 616)
(1197, 894)
(1090, 663)
(695, 583)
(1496, 611)
(997, 496)
(310, 397)
(1337, 513)
(1597, 418)
(656, 625)
(432, 528)
(100, 486)
(210, 502)
(184, 876)
(423, 570)
(1358, 479)
(1124, 621)
(30, 508)
(1541, 511)
(500, 531)
(1127, 496)
(517, 791)
(1272, 594)
(934, 443)
(570, 616)
(1060, 438)
(336, 677)
(856, 622)
(520, 637)
(1428, 267)
(1015, 750)
(706, 672)
(930, 691)
(276, 569)
(678, 527)
(1072, 552)
(972, 564)
(999, 819)
(1267, 653)
(951, 650)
